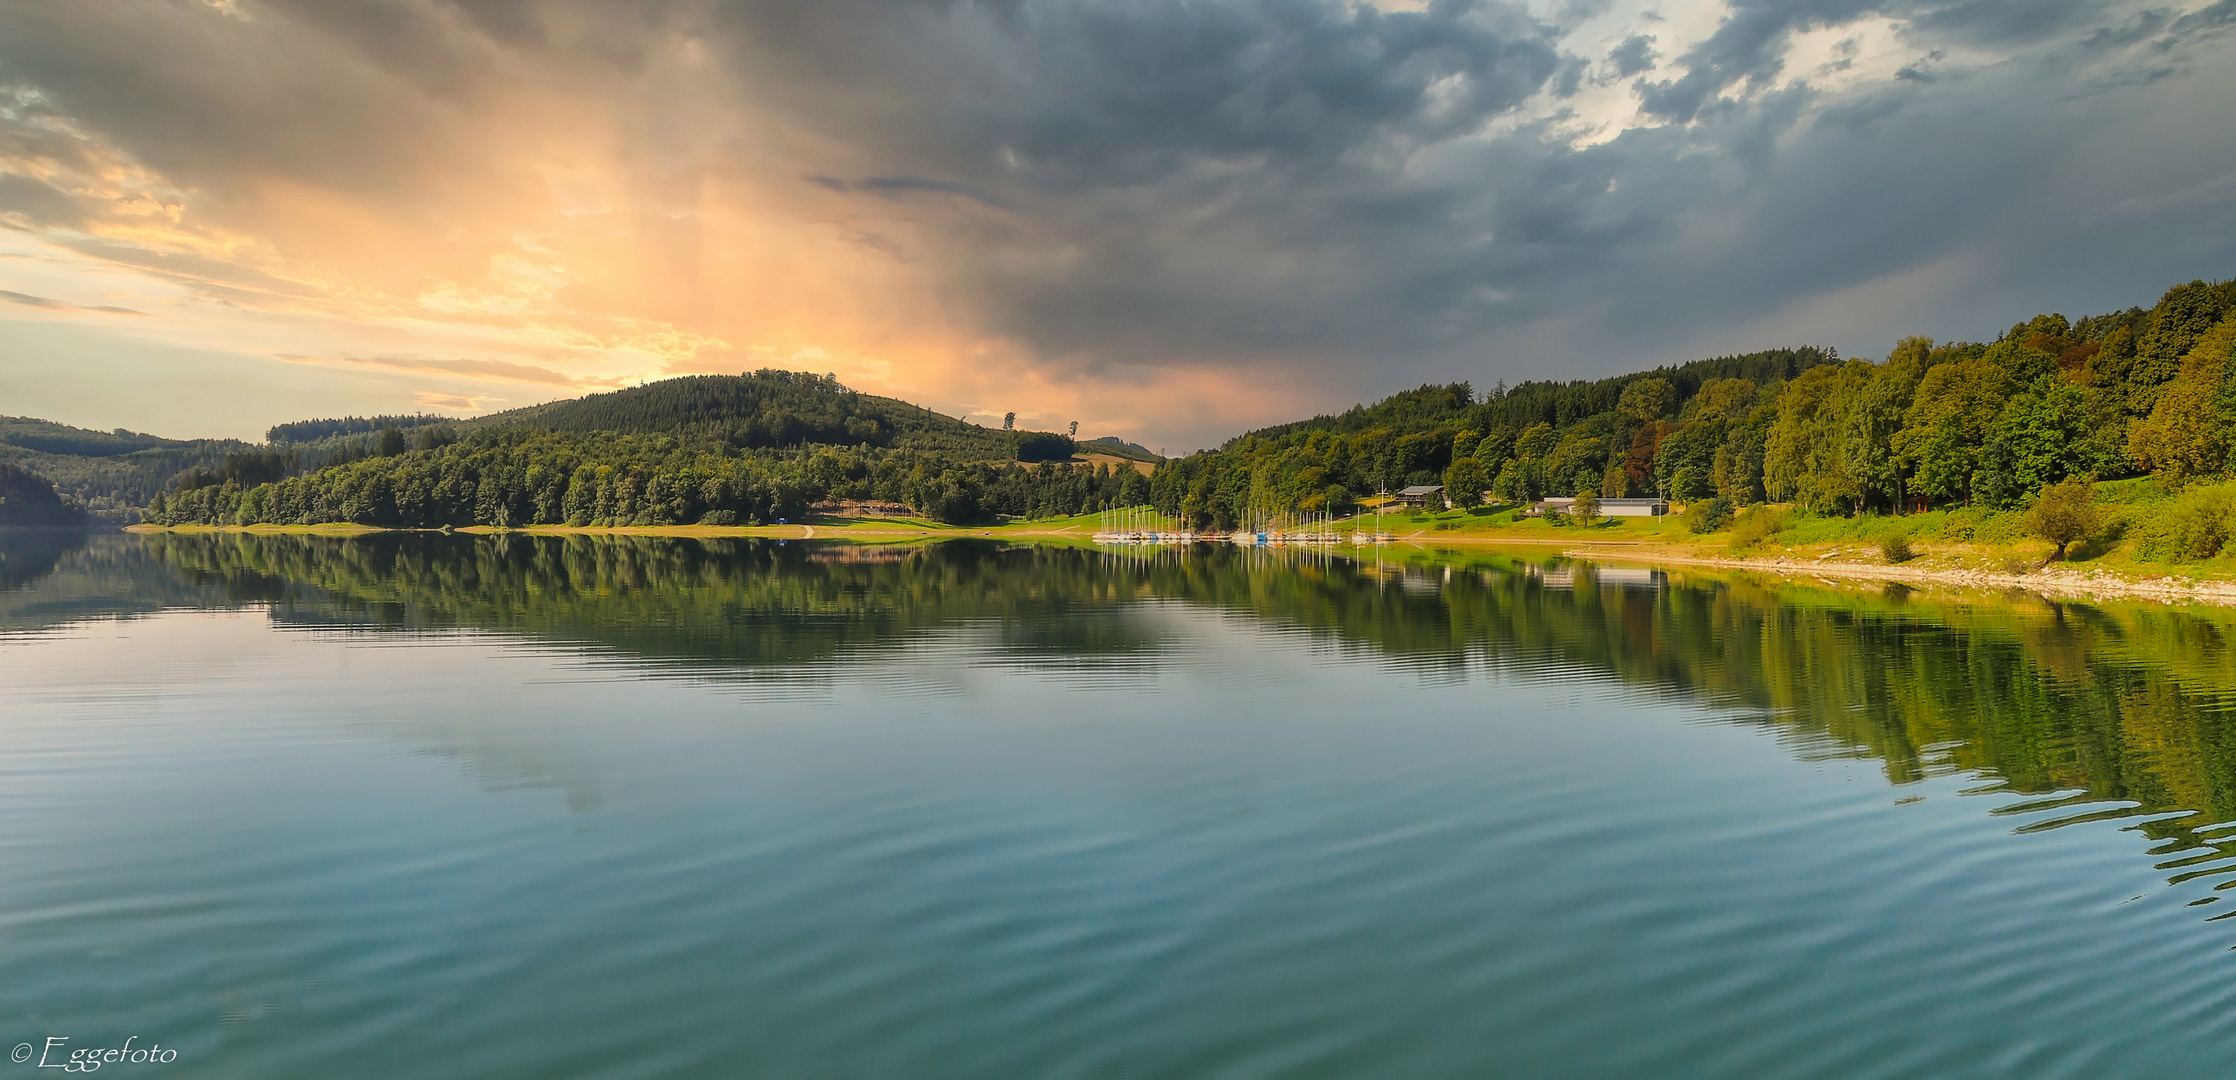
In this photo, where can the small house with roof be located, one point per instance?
(1420, 496)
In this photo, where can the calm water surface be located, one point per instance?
(610, 807)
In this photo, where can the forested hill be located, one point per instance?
(310, 431)
(1560, 404)
(1978, 423)
(769, 408)
(111, 473)
(712, 449)
(765, 409)
(750, 447)
(48, 437)
(27, 500)
(1117, 447)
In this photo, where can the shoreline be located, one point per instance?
(2053, 580)
(2095, 584)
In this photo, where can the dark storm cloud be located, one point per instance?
(1634, 55)
(1222, 176)
(1287, 178)
(1085, 95)
(1747, 49)
(1224, 185)
(1132, 90)
(1371, 197)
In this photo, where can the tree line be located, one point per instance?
(773, 409)
(519, 476)
(1985, 424)
(304, 431)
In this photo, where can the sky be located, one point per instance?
(1169, 221)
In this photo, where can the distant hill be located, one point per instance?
(116, 473)
(1976, 425)
(111, 473)
(1117, 447)
(763, 409)
(29, 500)
(309, 431)
(48, 437)
(1560, 404)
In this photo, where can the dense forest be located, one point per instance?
(1959, 423)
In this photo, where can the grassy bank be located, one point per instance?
(2146, 538)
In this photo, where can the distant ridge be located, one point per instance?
(303, 431)
(1543, 401)
(1117, 447)
(767, 408)
(48, 437)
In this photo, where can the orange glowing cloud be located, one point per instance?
(530, 226)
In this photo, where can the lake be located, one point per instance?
(509, 806)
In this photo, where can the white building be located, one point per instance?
(1607, 507)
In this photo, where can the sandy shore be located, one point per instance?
(2054, 581)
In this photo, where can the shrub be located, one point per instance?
(1897, 548)
(1756, 526)
(1999, 527)
(2200, 524)
(2017, 564)
(2063, 513)
(1708, 515)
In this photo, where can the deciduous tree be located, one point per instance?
(2064, 513)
